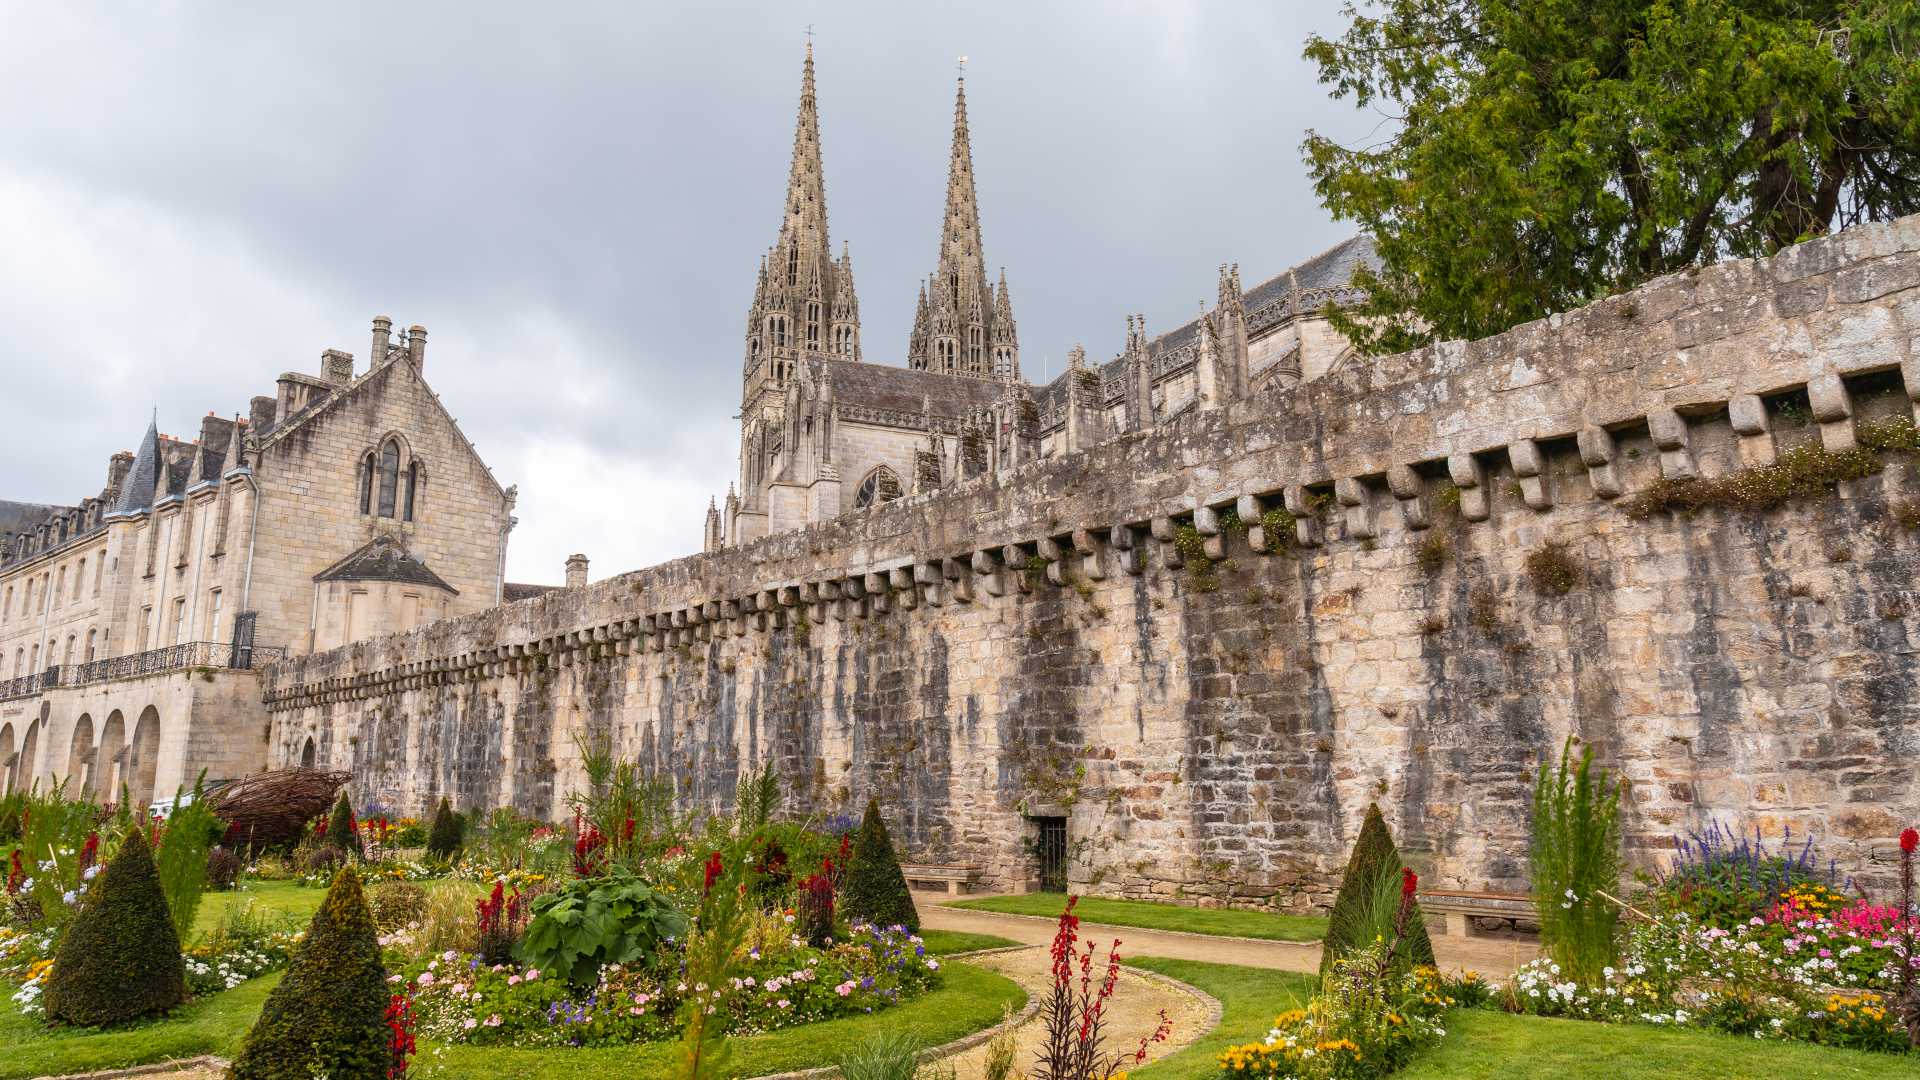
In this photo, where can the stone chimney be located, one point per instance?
(382, 331)
(576, 571)
(260, 415)
(117, 468)
(417, 346)
(336, 367)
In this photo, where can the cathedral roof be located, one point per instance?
(383, 559)
(903, 390)
(1330, 269)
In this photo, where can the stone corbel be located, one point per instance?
(1353, 495)
(1126, 550)
(1672, 437)
(986, 566)
(959, 580)
(1252, 510)
(1599, 452)
(1306, 524)
(1833, 409)
(1530, 469)
(900, 580)
(878, 587)
(1206, 522)
(1092, 549)
(926, 578)
(1470, 477)
(1051, 551)
(1163, 531)
(1748, 415)
(1410, 489)
(1910, 374)
(1014, 558)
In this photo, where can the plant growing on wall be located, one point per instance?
(1574, 858)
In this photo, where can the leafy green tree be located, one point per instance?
(327, 1016)
(875, 891)
(1369, 897)
(1551, 152)
(192, 830)
(448, 832)
(121, 957)
(340, 831)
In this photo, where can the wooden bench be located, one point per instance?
(1459, 905)
(955, 878)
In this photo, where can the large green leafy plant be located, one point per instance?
(191, 831)
(1369, 899)
(1546, 153)
(577, 930)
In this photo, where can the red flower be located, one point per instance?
(16, 874)
(400, 1044)
(1909, 840)
(90, 852)
(1409, 881)
(713, 870)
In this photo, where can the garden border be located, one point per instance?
(1211, 1004)
(204, 1061)
(1314, 944)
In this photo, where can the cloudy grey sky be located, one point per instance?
(572, 199)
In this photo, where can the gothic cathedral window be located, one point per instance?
(881, 485)
(389, 476)
(413, 483)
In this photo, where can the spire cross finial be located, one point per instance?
(961, 65)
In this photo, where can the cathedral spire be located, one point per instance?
(797, 311)
(963, 337)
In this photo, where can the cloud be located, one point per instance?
(573, 202)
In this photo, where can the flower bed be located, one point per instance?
(458, 999)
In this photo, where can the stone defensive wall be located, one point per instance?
(1209, 645)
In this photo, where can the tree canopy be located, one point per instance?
(1546, 153)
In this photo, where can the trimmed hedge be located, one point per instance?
(340, 832)
(327, 1017)
(1375, 859)
(120, 960)
(875, 891)
(447, 834)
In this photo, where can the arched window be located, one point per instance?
(793, 264)
(881, 485)
(366, 484)
(813, 324)
(778, 325)
(90, 645)
(389, 476)
(413, 485)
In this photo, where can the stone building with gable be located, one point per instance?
(132, 623)
(823, 432)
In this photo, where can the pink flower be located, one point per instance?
(426, 978)
(513, 980)
(532, 974)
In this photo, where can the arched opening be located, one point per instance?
(109, 758)
(389, 476)
(80, 757)
(143, 759)
(306, 754)
(7, 760)
(880, 485)
(413, 484)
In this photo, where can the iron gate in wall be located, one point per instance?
(1053, 853)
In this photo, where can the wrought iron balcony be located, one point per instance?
(211, 655)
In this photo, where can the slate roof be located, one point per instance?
(18, 517)
(136, 491)
(514, 590)
(899, 389)
(1330, 268)
(383, 559)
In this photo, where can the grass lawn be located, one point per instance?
(1481, 1043)
(294, 901)
(1149, 915)
(948, 942)
(213, 1025)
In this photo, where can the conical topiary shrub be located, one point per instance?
(327, 1017)
(874, 890)
(1369, 888)
(340, 831)
(120, 959)
(444, 839)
